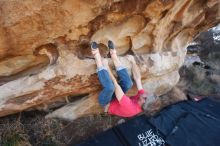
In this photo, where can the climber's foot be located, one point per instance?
(111, 45)
(94, 45)
(96, 54)
(95, 49)
(113, 52)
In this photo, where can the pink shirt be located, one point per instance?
(127, 107)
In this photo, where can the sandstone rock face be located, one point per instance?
(45, 56)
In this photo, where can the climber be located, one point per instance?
(122, 105)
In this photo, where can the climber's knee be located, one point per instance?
(106, 95)
(128, 85)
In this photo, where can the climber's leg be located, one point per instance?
(118, 90)
(124, 79)
(108, 88)
(105, 95)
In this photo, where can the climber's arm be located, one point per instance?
(136, 72)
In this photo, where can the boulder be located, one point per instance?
(45, 58)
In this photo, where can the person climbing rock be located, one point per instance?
(113, 95)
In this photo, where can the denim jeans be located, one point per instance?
(107, 92)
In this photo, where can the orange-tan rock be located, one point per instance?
(45, 56)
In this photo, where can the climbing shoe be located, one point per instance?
(111, 45)
(94, 45)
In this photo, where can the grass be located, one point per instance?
(13, 134)
(32, 129)
(11, 139)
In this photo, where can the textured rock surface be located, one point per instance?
(201, 71)
(44, 47)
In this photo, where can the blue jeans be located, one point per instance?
(108, 90)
